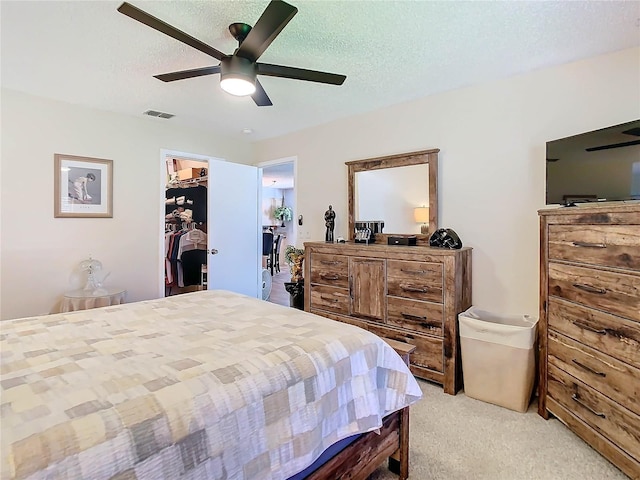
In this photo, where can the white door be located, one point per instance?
(233, 229)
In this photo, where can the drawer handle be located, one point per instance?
(590, 289)
(409, 288)
(329, 299)
(327, 262)
(589, 245)
(418, 272)
(329, 277)
(589, 369)
(412, 317)
(584, 326)
(576, 399)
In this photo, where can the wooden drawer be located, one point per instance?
(617, 380)
(330, 269)
(417, 280)
(608, 245)
(616, 293)
(613, 421)
(330, 298)
(415, 315)
(604, 446)
(614, 335)
(428, 351)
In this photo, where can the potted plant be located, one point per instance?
(294, 257)
(283, 213)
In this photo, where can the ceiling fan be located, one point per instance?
(238, 72)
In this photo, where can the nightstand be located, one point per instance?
(401, 348)
(85, 299)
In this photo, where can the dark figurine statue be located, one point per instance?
(330, 222)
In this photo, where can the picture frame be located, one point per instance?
(83, 187)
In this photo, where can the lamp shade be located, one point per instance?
(421, 214)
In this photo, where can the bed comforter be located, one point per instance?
(209, 384)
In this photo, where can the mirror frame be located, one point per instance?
(429, 157)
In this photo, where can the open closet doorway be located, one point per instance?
(205, 243)
(185, 232)
(278, 196)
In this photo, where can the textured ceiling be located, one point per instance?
(85, 52)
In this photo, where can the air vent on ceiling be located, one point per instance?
(154, 113)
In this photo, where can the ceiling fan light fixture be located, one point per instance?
(239, 70)
(239, 86)
(238, 76)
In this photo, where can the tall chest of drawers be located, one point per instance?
(410, 294)
(590, 327)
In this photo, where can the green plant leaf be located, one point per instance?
(283, 213)
(290, 254)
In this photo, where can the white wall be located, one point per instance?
(289, 225)
(492, 160)
(38, 252)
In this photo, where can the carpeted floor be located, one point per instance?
(457, 437)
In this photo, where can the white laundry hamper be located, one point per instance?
(498, 357)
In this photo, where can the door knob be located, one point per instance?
(213, 251)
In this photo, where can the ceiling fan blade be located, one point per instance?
(157, 24)
(260, 96)
(300, 74)
(195, 72)
(269, 25)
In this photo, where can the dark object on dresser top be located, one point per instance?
(445, 238)
(402, 240)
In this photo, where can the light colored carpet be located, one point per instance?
(457, 437)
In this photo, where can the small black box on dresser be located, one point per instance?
(402, 240)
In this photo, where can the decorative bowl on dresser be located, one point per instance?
(411, 294)
(590, 326)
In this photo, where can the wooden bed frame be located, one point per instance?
(362, 457)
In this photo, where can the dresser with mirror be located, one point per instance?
(411, 294)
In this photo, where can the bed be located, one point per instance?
(208, 384)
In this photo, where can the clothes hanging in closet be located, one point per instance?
(171, 242)
(185, 253)
(192, 253)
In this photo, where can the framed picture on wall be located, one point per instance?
(83, 187)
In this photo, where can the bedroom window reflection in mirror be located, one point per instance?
(390, 188)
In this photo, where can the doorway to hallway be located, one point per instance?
(278, 191)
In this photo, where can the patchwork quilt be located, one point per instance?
(205, 385)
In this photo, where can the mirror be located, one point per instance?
(390, 189)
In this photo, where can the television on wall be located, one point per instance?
(598, 166)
